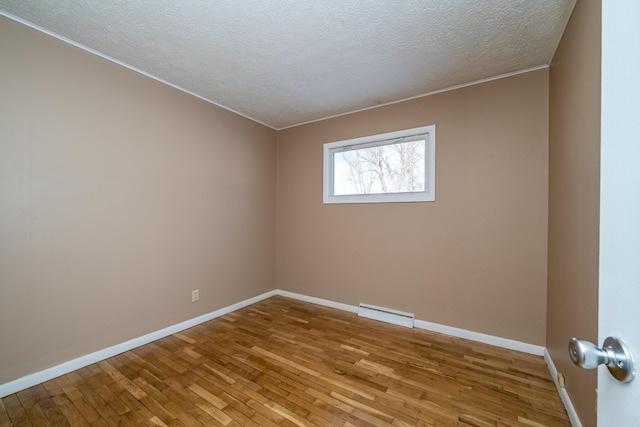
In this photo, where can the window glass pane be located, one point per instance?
(391, 168)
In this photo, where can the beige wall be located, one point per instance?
(118, 196)
(474, 259)
(574, 199)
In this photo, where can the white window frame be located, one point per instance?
(429, 195)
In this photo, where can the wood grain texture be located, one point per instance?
(283, 362)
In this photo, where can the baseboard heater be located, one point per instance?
(388, 315)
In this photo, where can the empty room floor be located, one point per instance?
(283, 362)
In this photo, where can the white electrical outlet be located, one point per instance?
(195, 295)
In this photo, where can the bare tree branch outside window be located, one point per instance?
(391, 168)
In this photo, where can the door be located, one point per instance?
(619, 298)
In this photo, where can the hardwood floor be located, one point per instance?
(283, 362)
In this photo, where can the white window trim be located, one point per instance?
(429, 195)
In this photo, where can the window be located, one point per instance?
(390, 167)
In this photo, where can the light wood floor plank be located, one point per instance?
(284, 362)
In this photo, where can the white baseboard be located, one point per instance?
(319, 301)
(507, 343)
(564, 396)
(435, 327)
(82, 361)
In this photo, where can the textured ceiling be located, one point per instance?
(286, 62)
